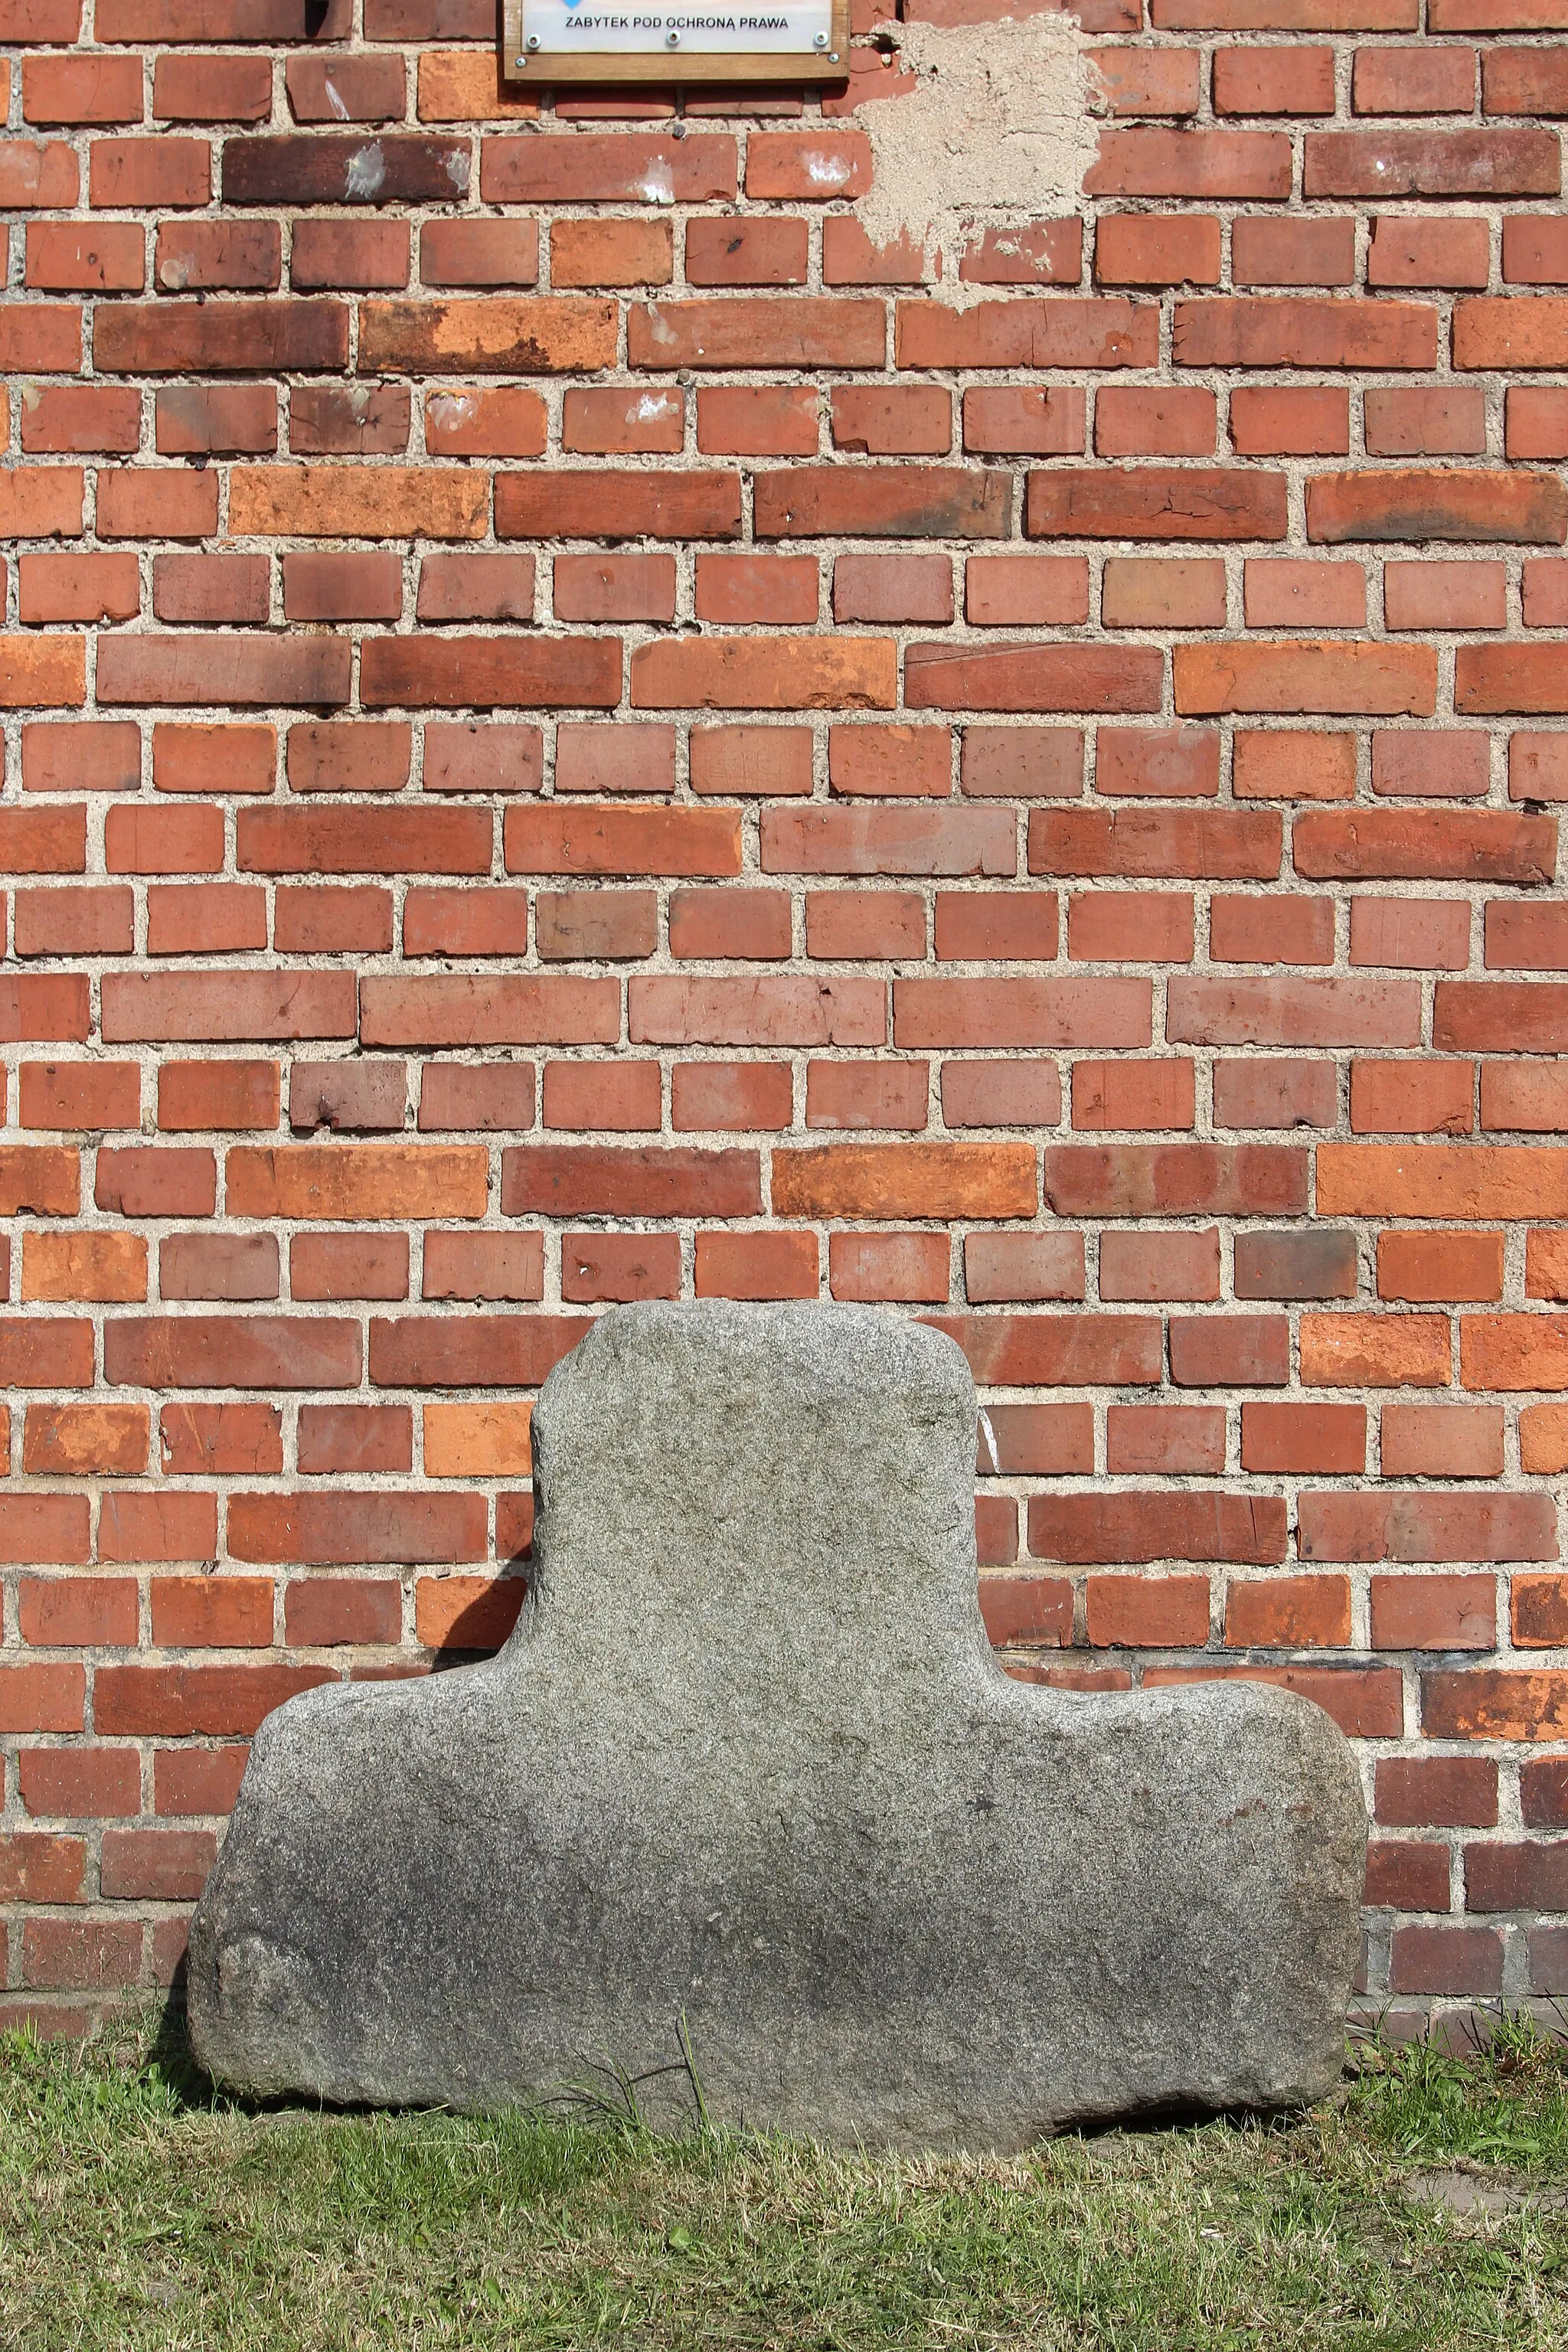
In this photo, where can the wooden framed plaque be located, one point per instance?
(548, 41)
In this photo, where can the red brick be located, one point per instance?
(212, 89)
(892, 588)
(806, 333)
(1329, 676)
(1318, 1262)
(1146, 1612)
(89, 257)
(774, 1265)
(1437, 1791)
(747, 924)
(85, 1441)
(853, 924)
(774, 1011)
(1148, 81)
(1003, 422)
(903, 1267)
(215, 1440)
(207, 257)
(1289, 1612)
(1072, 1011)
(363, 255)
(765, 674)
(125, 172)
(327, 1611)
(43, 174)
(1415, 81)
(207, 588)
(604, 925)
(486, 422)
(63, 1267)
(1265, 251)
(620, 1267)
(612, 253)
(1001, 591)
(1275, 423)
(653, 1180)
(1124, 1095)
(201, 1095)
(483, 1265)
(1289, 1438)
(620, 1097)
(1230, 1351)
(1426, 1525)
(1139, 926)
(621, 423)
(328, 420)
(1453, 763)
(1405, 252)
(1023, 763)
(1035, 1609)
(1259, 330)
(887, 420)
(1062, 333)
(1135, 1180)
(1385, 164)
(1177, 422)
(1154, 1266)
(1296, 79)
(1275, 1093)
(756, 588)
(80, 1954)
(79, 1784)
(1151, 1441)
(1293, 594)
(1452, 503)
(622, 758)
(1438, 1266)
(1494, 1703)
(84, 1612)
(1265, 930)
(736, 250)
(1021, 1268)
(498, 756)
(1156, 593)
(355, 1437)
(185, 759)
(1446, 1960)
(1142, 249)
(615, 168)
(770, 421)
(867, 1095)
(1142, 502)
(849, 257)
(729, 1097)
(479, 253)
(62, 419)
(1412, 1098)
(1082, 1529)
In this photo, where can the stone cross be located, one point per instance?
(747, 1773)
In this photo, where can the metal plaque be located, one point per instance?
(548, 41)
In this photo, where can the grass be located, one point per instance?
(139, 2208)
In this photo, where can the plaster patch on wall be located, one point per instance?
(999, 126)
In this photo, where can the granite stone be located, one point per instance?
(748, 1768)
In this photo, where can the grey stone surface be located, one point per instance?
(748, 1759)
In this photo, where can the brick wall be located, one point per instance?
(575, 733)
